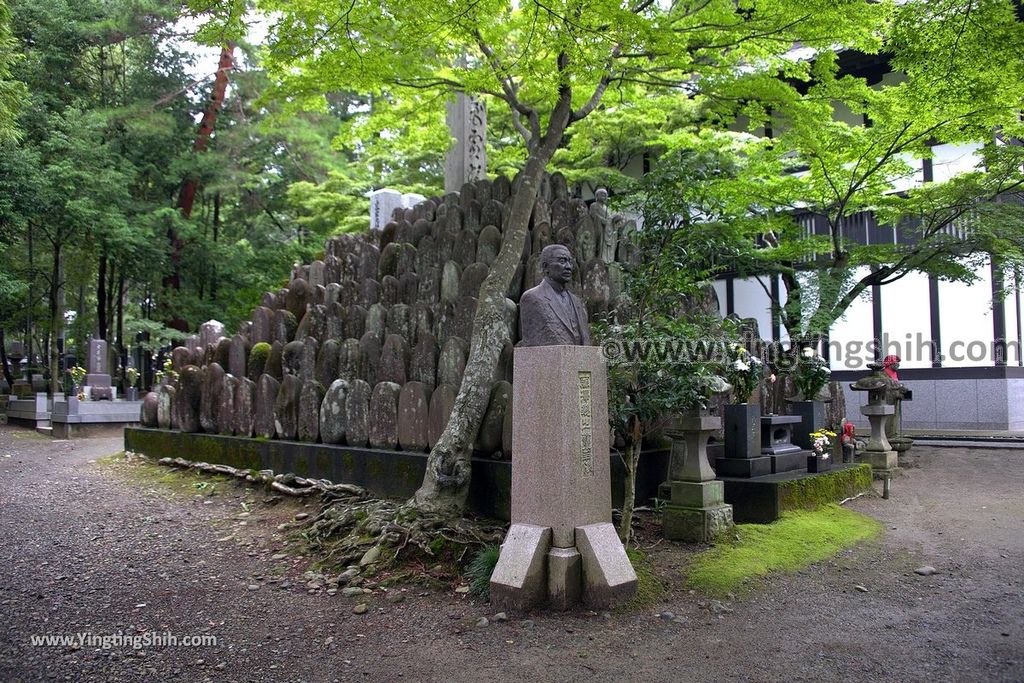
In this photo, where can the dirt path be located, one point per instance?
(86, 549)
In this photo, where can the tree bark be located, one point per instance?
(101, 297)
(629, 490)
(56, 318)
(446, 482)
(3, 359)
(190, 184)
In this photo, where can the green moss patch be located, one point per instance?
(796, 540)
(649, 586)
(813, 492)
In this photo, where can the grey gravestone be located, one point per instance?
(489, 438)
(426, 254)
(210, 332)
(98, 365)
(369, 357)
(559, 187)
(560, 215)
(541, 213)
(187, 399)
(464, 252)
(586, 244)
(503, 373)
(441, 403)
(350, 365)
(423, 364)
(420, 229)
(414, 417)
(332, 413)
(238, 355)
(297, 298)
(453, 220)
(263, 407)
(471, 213)
(394, 360)
(376, 318)
(369, 292)
(310, 398)
(332, 270)
(429, 285)
(317, 295)
(492, 214)
(567, 238)
(389, 294)
(222, 354)
(164, 406)
(211, 387)
(472, 278)
(406, 260)
(452, 362)
(399, 321)
(488, 245)
(348, 294)
(293, 359)
(512, 320)
(357, 414)
(148, 410)
(422, 321)
(245, 395)
(269, 300)
(353, 323)
(308, 368)
(368, 258)
(327, 362)
(284, 326)
(596, 290)
(384, 416)
(226, 405)
(501, 188)
(262, 322)
(333, 294)
(275, 364)
(387, 236)
(465, 311)
(408, 288)
(388, 261)
(541, 235)
(286, 408)
(180, 357)
(333, 326)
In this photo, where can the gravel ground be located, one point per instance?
(87, 547)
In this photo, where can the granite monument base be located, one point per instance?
(788, 462)
(743, 467)
(559, 418)
(882, 462)
(698, 512)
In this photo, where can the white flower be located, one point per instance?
(740, 366)
(808, 352)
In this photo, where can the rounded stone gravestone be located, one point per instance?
(357, 414)
(148, 410)
(383, 417)
(245, 390)
(310, 398)
(211, 384)
(441, 403)
(286, 408)
(187, 399)
(263, 407)
(489, 438)
(413, 417)
(332, 413)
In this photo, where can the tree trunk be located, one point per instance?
(110, 301)
(56, 318)
(629, 490)
(190, 184)
(101, 297)
(446, 482)
(3, 359)
(216, 238)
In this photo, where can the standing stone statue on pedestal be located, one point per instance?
(606, 226)
(561, 547)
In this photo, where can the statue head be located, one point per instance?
(601, 195)
(556, 261)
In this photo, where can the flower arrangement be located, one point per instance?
(78, 374)
(132, 375)
(167, 373)
(811, 374)
(743, 371)
(821, 442)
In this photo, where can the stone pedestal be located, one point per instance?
(878, 452)
(777, 443)
(697, 511)
(561, 486)
(742, 453)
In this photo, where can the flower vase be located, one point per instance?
(816, 464)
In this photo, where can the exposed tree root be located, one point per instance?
(354, 528)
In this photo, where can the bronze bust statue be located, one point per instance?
(549, 314)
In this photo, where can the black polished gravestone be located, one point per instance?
(742, 455)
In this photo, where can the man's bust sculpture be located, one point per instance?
(549, 314)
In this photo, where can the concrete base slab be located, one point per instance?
(564, 574)
(879, 460)
(608, 575)
(696, 525)
(519, 580)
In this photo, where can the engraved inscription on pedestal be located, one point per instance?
(586, 425)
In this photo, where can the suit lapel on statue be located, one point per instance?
(550, 299)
